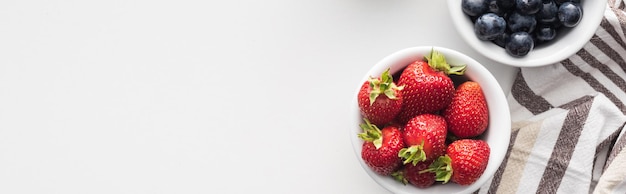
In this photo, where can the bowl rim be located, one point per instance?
(400, 59)
(545, 55)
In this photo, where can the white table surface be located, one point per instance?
(191, 96)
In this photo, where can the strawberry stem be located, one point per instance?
(413, 154)
(371, 133)
(399, 176)
(437, 61)
(383, 85)
(442, 167)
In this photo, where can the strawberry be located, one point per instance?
(381, 147)
(467, 115)
(464, 163)
(425, 138)
(380, 109)
(413, 174)
(427, 87)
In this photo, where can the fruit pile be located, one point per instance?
(430, 130)
(520, 25)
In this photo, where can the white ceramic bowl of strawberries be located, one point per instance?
(567, 42)
(401, 130)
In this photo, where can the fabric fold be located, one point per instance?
(554, 151)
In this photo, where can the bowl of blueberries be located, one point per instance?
(527, 33)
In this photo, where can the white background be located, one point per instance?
(191, 96)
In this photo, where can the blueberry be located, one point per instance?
(545, 33)
(494, 8)
(520, 43)
(569, 14)
(474, 7)
(489, 26)
(547, 13)
(518, 22)
(506, 4)
(501, 7)
(501, 40)
(528, 6)
(559, 2)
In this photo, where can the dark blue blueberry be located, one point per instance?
(501, 7)
(521, 23)
(489, 26)
(545, 33)
(475, 7)
(559, 2)
(520, 43)
(528, 6)
(570, 14)
(547, 13)
(507, 5)
(494, 8)
(501, 40)
(554, 24)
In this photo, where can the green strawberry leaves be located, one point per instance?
(399, 176)
(442, 167)
(371, 133)
(437, 61)
(413, 154)
(383, 85)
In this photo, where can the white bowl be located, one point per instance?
(567, 43)
(497, 134)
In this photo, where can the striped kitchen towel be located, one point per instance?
(568, 120)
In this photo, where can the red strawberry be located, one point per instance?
(427, 87)
(381, 147)
(425, 138)
(464, 163)
(413, 174)
(380, 109)
(467, 115)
